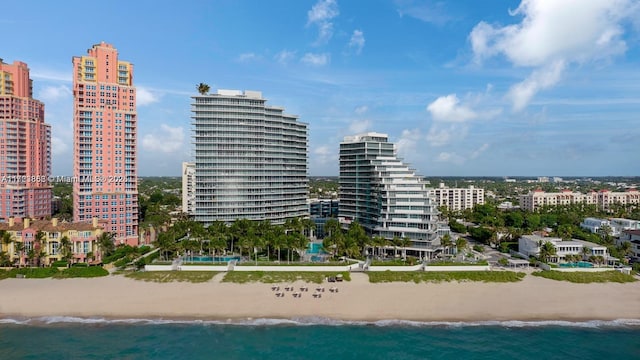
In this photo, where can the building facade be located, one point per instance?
(529, 245)
(189, 188)
(604, 199)
(25, 147)
(250, 159)
(456, 199)
(633, 238)
(385, 196)
(82, 245)
(105, 183)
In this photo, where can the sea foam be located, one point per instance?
(315, 321)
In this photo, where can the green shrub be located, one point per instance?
(478, 248)
(30, 273)
(584, 277)
(81, 264)
(82, 272)
(439, 276)
(60, 263)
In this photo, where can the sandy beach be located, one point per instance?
(532, 299)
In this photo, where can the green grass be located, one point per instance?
(171, 276)
(270, 277)
(583, 277)
(30, 273)
(453, 263)
(392, 263)
(440, 276)
(81, 272)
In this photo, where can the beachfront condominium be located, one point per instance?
(104, 147)
(456, 199)
(188, 187)
(25, 147)
(603, 199)
(385, 196)
(250, 159)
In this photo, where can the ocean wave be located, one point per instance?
(317, 321)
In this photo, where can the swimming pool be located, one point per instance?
(315, 248)
(210, 259)
(579, 264)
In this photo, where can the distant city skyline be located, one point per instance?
(463, 88)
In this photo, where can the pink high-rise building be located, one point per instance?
(25, 147)
(104, 145)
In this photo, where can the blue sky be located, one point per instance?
(464, 88)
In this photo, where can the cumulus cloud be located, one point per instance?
(59, 147)
(285, 56)
(479, 151)
(324, 155)
(166, 139)
(359, 126)
(448, 109)
(551, 36)
(451, 157)
(408, 142)
(321, 15)
(146, 97)
(357, 41)
(361, 109)
(443, 134)
(315, 59)
(247, 57)
(54, 93)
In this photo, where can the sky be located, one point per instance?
(463, 88)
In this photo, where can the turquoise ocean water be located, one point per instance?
(72, 338)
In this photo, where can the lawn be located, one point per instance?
(440, 276)
(583, 277)
(29, 273)
(284, 263)
(453, 263)
(171, 276)
(280, 277)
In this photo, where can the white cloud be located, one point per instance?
(521, 93)
(448, 109)
(167, 139)
(321, 15)
(359, 126)
(357, 41)
(451, 157)
(408, 142)
(441, 135)
(247, 57)
(284, 56)
(145, 97)
(315, 59)
(324, 155)
(551, 36)
(361, 109)
(54, 93)
(479, 151)
(428, 11)
(59, 147)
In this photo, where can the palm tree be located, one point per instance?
(405, 243)
(106, 244)
(203, 88)
(396, 242)
(461, 243)
(40, 246)
(546, 251)
(625, 249)
(446, 242)
(65, 248)
(19, 248)
(7, 240)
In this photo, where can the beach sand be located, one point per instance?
(533, 299)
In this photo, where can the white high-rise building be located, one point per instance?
(385, 196)
(250, 159)
(188, 187)
(456, 199)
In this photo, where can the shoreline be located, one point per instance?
(117, 298)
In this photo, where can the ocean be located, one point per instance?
(74, 338)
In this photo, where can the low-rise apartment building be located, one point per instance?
(529, 245)
(603, 198)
